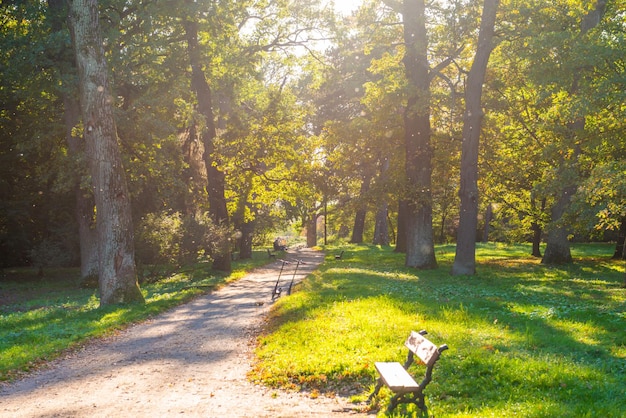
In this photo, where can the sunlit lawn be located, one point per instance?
(40, 318)
(525, 339)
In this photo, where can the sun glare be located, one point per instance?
(345, 7)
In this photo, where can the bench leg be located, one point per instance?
(378, 386)
(416, 398)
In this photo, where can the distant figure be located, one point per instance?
(280, 244)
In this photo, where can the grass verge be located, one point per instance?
(40, 318)
(525, 339)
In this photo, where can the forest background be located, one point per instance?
(236, 119)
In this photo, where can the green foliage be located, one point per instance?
(525, 339)
(171, 238)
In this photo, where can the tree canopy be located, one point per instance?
(253, 115)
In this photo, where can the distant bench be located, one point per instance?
(397, 378)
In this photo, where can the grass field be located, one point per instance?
(525, 339)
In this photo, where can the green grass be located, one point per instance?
(41, 318)
(525, 339)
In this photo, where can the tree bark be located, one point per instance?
(194, 175)
(245, 243)
(537, 230)
(621, 241)
(359, 219)
(381, 228)
(311, 230)
(401, 235)
(85, 214)
(557, 244)
(420, 248)
(84, 206)
(465, 258)
(215, 177)
(116, 256)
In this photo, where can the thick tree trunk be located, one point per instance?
(85, 214)
(194, 175)
(116, 256)
(381, 228)
(215, 177)
(557, 244)
(359, 219)
(465, 258)
(401, 235)
(537, 231)
(359, 226)
(420, 248)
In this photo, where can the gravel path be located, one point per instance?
(191, 361)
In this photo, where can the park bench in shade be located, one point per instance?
(398, 379)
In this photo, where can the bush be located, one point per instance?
(170, 238)
(158, 238)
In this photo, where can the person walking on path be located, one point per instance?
(191, 361)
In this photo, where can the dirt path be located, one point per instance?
(191, 361)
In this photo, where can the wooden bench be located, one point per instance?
(397, 378)
(339, 256)
(270, 254)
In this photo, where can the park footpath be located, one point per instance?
(191, 361)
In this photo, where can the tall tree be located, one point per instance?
(465, 259)
(208, 134)
(116, 261)
(420, 251)
(557, 242)
(71, 117)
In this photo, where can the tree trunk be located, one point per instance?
(420, 248)
(215, 177)
(557, 244)
(537, 229)
(85, 214)
(116, 256)
(621, 241)
(194, 175)
(465, 258)
(245, 242)
(359, 219)
(401, 235)
(381, 228)
(311, 231)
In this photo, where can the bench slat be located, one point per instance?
(395, 377)
(422, 347)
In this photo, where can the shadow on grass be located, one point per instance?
(525, 338)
